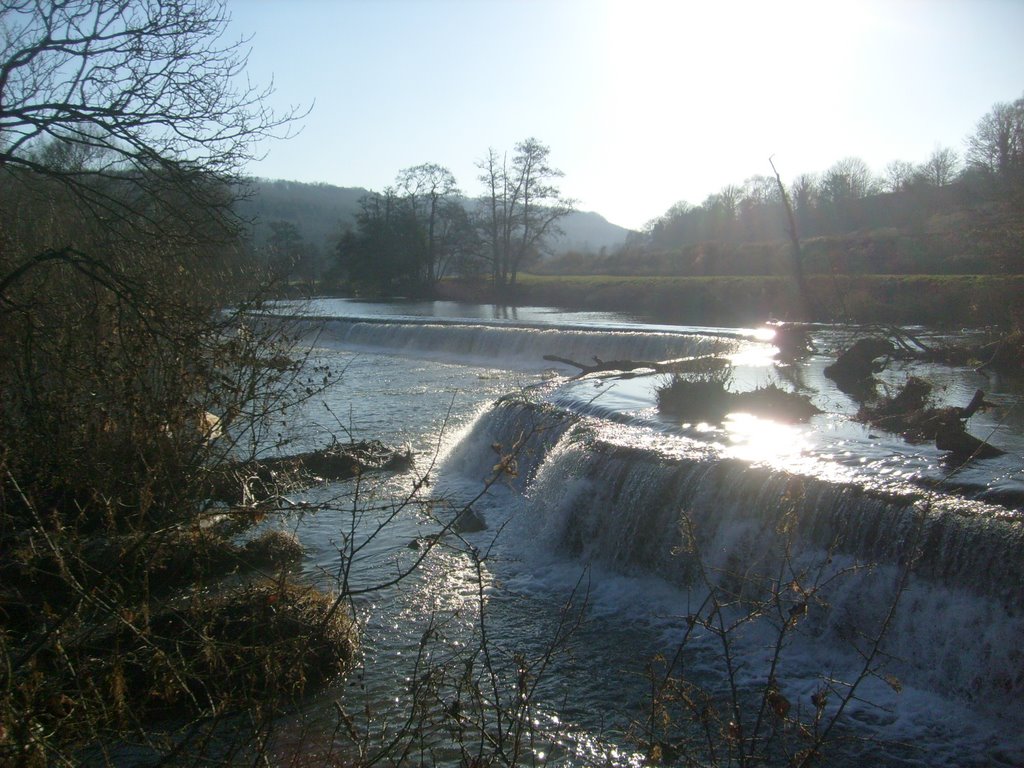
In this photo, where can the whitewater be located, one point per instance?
(600, 508)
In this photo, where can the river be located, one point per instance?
(607, 518)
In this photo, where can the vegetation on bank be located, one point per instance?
(412, 235)
(136, 375)
(952, 215)
(882, 251)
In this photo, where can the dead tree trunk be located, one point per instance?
(808, 307)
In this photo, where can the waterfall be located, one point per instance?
(636, 494)
(640, 509)
(514, 428)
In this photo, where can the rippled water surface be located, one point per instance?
(568, 541)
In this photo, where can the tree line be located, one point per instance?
(422, 229)
(952, 213)
(963, 213)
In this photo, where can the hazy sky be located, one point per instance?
(642, 103)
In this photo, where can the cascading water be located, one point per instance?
(588, 475)
(605, 501)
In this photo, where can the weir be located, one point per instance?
(588, 485)
(594, 494)
(500, 344)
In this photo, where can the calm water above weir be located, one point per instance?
(597, 502)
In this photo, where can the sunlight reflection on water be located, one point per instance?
(523, 583)
(762, 440)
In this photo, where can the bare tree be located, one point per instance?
(722, 208)
(897, 175)
(522, 206)
(495, 203)
(427, 189)
(848, 179)
(998, 142)
(997, 150)
(804, 189)
(941, 167)
(118, 100)
(760, 190)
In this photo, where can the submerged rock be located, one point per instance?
(793, 341)
(469, 521)
(854, 369)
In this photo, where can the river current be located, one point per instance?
(607, 517)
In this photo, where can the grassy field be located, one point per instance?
(944, 300)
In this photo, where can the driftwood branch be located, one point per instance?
(625, 366)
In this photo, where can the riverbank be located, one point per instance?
(936, 300)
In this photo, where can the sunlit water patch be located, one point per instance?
(587, 523)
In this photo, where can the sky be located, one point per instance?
(643, 103)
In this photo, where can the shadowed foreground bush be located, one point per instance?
(261, 642)
(251, 649)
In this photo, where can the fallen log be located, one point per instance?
(976, 402)
(963, 445)
(909, 415)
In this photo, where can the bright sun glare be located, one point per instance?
(760, 440)
(713, 75)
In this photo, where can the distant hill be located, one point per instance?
(321, 211)
(588, 232)
(318, 211)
